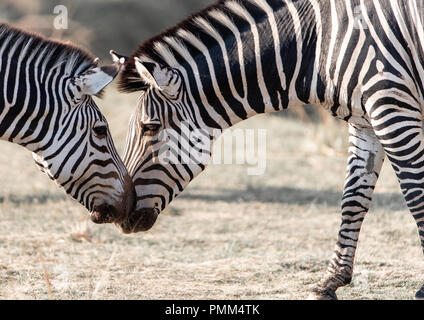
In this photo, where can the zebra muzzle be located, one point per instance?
(104, 213)
(139, 221)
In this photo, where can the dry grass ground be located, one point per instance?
(229, 236)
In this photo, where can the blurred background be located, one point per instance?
(100, 25)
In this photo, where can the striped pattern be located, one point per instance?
(44, 107)
(361, 60)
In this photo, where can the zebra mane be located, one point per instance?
(75, 60)
(157, 49)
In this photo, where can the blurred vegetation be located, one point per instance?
(101, 25)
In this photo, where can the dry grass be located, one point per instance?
(228, 236)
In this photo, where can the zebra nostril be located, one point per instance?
(140, 220)
(103, 213)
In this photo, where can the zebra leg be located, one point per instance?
(400, 133)
(410, 172)
(399, 130)
(420, 294)
(365, 160)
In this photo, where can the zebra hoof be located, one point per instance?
(420, 294)
(322, 294)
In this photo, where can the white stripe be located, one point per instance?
(276, 37)
(293, 98)
(202, 23)
(226, 21)
(202, 48)
(182, 50)
(318, 22)
(334, 31)
(243, 13)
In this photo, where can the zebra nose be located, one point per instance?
(104, 213)
(139, 220)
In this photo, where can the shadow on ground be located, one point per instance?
(285, 195)
(26, 199)
(292, 196)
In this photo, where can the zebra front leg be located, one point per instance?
(365, 160)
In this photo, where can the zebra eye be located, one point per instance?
(100, 131)
(151, 128)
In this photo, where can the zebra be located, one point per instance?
(361, 60)
(46, 106)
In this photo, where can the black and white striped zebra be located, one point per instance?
(362, 60)
(46, 106)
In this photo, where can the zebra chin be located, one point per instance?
(139, 221)
(118, 213)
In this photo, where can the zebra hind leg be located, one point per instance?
(420, 221)
(399, 130)
(402, 137)
(365, 160)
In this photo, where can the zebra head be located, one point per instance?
(79, 154)
(160, 141)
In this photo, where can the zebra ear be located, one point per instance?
(94, 80)
(116, 57)
(145, 71)
(156, 75)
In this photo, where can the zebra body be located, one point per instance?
(361, 60)
(46, 106)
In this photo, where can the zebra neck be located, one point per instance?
(34, 81)
(252, 59)
(29, 109)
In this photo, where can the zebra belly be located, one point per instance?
(354, 115)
